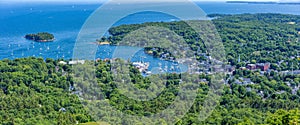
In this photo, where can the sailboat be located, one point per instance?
(172, 68)
(166, 67)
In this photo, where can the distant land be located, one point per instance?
(40, 37)
(258, 2)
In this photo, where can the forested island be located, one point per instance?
(40, 37)
(37, 91)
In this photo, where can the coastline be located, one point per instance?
(51, 40)
(42, 41)
(102, 43)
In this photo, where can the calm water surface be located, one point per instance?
(65, 21)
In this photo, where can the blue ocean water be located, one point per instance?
(65, 21)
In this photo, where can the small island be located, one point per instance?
(40, 37)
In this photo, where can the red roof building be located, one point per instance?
(263, 66)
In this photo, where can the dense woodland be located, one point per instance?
(37, 91)
(258, 38)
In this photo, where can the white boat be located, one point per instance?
(142, 67)
(172, 68)
(166, 68)
(148, 73)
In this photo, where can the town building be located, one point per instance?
(263, 66)
(63, 62)
(74, 62)
(243, 81)
(251, 66)
(259, 66)
(230, 68)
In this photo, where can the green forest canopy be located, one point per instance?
(261, 38)
(37, 91)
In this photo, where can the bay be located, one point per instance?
(65, 21)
